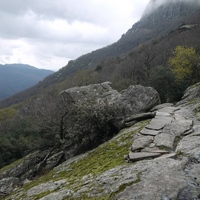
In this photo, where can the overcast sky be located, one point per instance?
(47, 34)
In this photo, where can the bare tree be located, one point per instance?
(50, 113)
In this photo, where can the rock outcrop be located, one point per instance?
(134, 100)
(163, 162)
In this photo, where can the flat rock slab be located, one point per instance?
(178, 127)
(169, 155)
(164, 114)
(7, 185)
(141, 142)
(140, 116)
(146, 131)
(159, 123)
(155, 150)
(164, 176)
(142, 155)
(160, 106)
(169, 109)
(164, 140)
(190, 146)
(178, 117)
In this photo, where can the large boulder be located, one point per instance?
(136, 99)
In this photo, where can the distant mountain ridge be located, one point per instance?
(17, 77)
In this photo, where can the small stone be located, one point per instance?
(155, 150)
(169, 109)
(152, 145)
(142, 155)
(125, 157)
(170, 155)
(160, 106)
(146, 131)
(164, 140)
(163, 114)
(165, 197)
(159, 123)
(141, 143)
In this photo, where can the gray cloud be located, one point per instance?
(154, 4)
(47, 34)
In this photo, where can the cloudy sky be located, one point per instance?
(47, 34)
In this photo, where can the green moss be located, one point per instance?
(12, 165)
(123, 186)
(196, 135)
(177, 140)
(180, 154)
(43, 194)
(107, 156)
(162, 147)
(85, 197)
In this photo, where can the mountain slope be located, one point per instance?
(17, 77)
(165, 166)
(160, 21)
(153, 26)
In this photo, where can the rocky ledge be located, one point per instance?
(154, 159)
(161, 136)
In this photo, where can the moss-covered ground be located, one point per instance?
(107, 156)
(11, 166)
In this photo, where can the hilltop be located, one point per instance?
(17, 77)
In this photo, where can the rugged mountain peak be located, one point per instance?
(153, 5)
(162, 16)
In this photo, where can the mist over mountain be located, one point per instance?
(159, 24)
(155, 4)
(17, 77)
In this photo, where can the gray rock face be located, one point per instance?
(141, 143)
(50, 186)
(24, 169)
(158, 123)
(192, 93)
(7, 185)
(142, 155)
(146, 131)
(164, 164)
(137, 99)
(101, 91)
(164, 176)
(134, 100)
(53, 160)
(178, 127)
(164, 140)
(164, 130)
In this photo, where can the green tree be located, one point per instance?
(185, 64)
(6, 118)
(162, 79)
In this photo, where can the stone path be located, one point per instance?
(161, 136)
